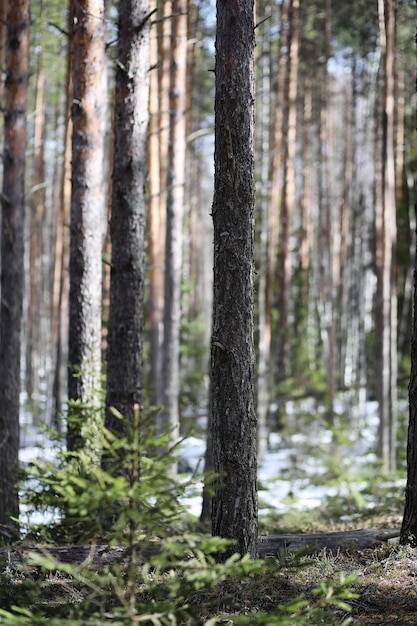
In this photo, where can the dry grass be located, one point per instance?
(385, 584)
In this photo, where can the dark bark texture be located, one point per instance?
(127, 226)
(409, 523)
(234, 512)
(12, 255)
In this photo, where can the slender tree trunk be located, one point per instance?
(88, 209)
(387, 316)
(288, 189)
(157, 168)
(155, 223)
(12, 258)
(304, 324)
(345, 367)
(399, 135)
(277, 149)
(409, 523)
(174, 220)
(234, 513)
(327, 313)
(37, 213)
(128, 216)
(263, 121)
(60, 286)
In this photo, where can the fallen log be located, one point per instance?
(335, 541)
(101, 555)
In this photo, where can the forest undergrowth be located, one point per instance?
(171, 571)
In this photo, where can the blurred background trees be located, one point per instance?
(334, 166)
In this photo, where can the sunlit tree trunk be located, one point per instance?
(60, 281)
(128, 215)
(12, 258)
(174, 219)
(37, 206)
(88, 209)
(234, 513)
(288, 189)
(387, 299)
(155, 223)
(157, 168)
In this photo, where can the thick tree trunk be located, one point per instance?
(128, 216)
(232, 352)
(12, 257)
(88, 209)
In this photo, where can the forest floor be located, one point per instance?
(319, 482)
(382, 579)
(385, 583)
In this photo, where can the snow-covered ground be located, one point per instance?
(290, 468)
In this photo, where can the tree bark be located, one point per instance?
(88, 210)
(37, 213)
(60, 280)
(174, 219)
(155, 226)
(409, 523)
(288, 189)
(128, 216)
(232, 351)
(3, 44)
(262, 124)
(12, 258)
(387, 290)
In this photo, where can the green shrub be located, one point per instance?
(166, 574)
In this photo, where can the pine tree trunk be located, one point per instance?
(409, 523)
(288, 189)
(174, 220)
(88, 209)
(35, 248)
(12, 258)
(234, 513)
(128, 215)
(60, 281)
(155, 230)
(263, 122)
(387, 290)
(274, 217)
